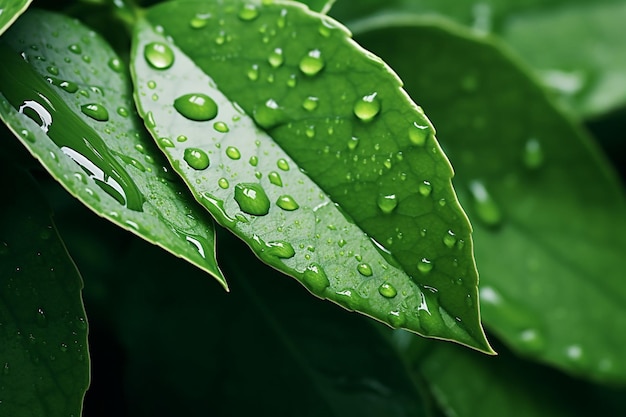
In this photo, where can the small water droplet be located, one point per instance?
(310, 132)
(158, 55)
(248, 12)
(418, 134)
(42, 320)
(365, 269)
(252, 199)
(196, 106)
(367, 107)
(196, 158)
(95, 111)
(75, 48)
(223, 183)
(315, 278)
(276, 58)
(68, 86)
(233, 153)
(275, 178)
(287, 202)
(53, 70)
(292, 81)
(312, 63)
(353, 143)
(396, 318)
(151, 84)
(253, 73)
(533, 154)
(269, 114)
(280, 249)
(485, 206)
(532, 340)
(449, 239)
(115, 64)
(181, 138)
(254, 160)
(425, 188)
(387, 203)
(282, 164)
(199, 21)
(310, 103)
(387, 290)
(166, 142)
(424, 266)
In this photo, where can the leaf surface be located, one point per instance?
(548, 209)
(44, 361)
(345, 188)
(68, 101)
(10, 10)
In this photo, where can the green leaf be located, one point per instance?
(44, 362)
(322, 6)
(548, 209)
(346, 188)
(267, 348)
(10, 10)
(69, 103)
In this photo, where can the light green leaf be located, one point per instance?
(44, 361)
(548, 209)
(10, 10)
(346, 188)
(67, 99)
(322, 6)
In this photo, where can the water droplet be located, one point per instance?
(42, 320)
(63, 347)
(233, 153)
(353, 143)
(425, 188)
(280, 249)
(387, 290)
(533, 154)
(181, 138)
(248, 12)
(254, 161)
(276, 58)
(292, 81)
(253, 73)
(312, 63)
(68, 86)
(310, 103)
(424, 266)
(53, 70)
(269, 114)
(115, 64)
(95, 111)
(418, 134)
(532, 340)
(286, 202)
(485, 206)
(367, 107)
(158, 55)
(449, 239)
(574, 353)
(315, 278)
(196, 158)
(396, 318)
(151, 84)
(75, 48)
(282, 164)
(166, 142)
(196, 106)
(310, 132)
(275, 178)
(252, 199)
(365, 269)
(387, 203)
(223, 183)
(199, 21)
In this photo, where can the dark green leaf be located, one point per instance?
(44, 362)
(10, 10)
(550, 225)
(67, 99)
(345, 189)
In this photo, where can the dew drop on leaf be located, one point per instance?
(253, 73)
(418, 134)
(275, 178)
(312, 63)
(353, 143)
(252, 199)
(387, 203)
(199, 21)
(310, 103)
(41, 319)
(248, 12)
(276, 58)
(449, 239)
(287, 202)
(221, 127)
(158, 55)
(396, 318)
(282, 164)
(315, 278)
(223, 183)
(122, 111)
(53, 70)
(367, 107)
(387, 290)
(196, 106)
(424, 266)
(485, 206)
(75, 48)
(269, 114)
(280, 249)
(533, 154)
(365, 269)
(95, 111)
(425, 188)
(115, 64)
(166, 142)
(233, 153)
(68, 86)
(196, 158)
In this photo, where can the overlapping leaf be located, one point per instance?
(44, 362)
(65, 94)
(345, 188)
(550, 224)
(11, 10)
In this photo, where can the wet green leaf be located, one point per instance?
(345, 188)
(44, 362)
(10, 10)
(67, 99)
(548, 210)
(322, 6)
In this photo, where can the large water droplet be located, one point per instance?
(353, 143)
(365, 269)
(418, 134)
(396, 318)
(233, 153)
(533, 154)
(95, 111)
(424, 266)
(282, 164)
(387, 203)
(280, 249)
(315, 278)
(221, 127)
(75, 48)
(223, 183)
(115, 64)
(199, 21)
(196, 106)
(287, 202)
(449, 239)
(425, 188)
(68, 86)
(310, 103)
(367, 107)
(252, 199)
(312, 63)
(158, 55)
(485, 206)
(387, 290)
(196, 158)
(248, 12)
(269, 114)
(275, 178)
(276, 58)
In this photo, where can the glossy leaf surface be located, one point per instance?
(349, 193)
(11, 10)
(44, 362)
(548, 211)
(68, 101)
(322, 6)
